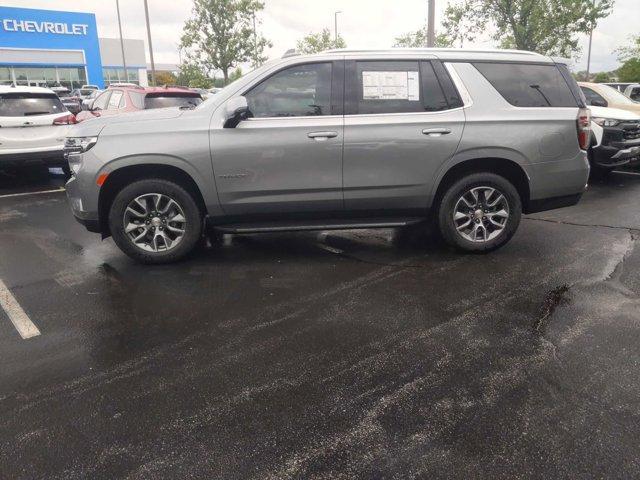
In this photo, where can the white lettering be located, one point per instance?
(31, 26)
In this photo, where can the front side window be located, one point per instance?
(528, 85)
(592, 96)
(101, 102)
(27, 104)
(394, 87)
(299, 91)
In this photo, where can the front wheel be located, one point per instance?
(155, 221)
(479, 213)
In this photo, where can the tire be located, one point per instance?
(147, 191)
(495, 237)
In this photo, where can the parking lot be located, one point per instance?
(372, 354)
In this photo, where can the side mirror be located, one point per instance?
(236, 111)
(598, 103)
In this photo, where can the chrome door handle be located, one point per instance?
(321, 136)
(436, 132)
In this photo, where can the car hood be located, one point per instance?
(94, 126)
(615, 113)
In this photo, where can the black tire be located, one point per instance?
(445, 212)
(193, 229)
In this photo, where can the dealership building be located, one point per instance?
(49, 48)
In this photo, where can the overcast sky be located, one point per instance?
(362, 23)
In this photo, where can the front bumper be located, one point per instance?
(83, 213)
(51, 157)
(616, 154)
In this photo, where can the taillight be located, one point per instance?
(584, 128)
(66, 120)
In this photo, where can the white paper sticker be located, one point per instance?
(391, 86)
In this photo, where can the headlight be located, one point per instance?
(76, 145)
(606, 122)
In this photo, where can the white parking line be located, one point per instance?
(628, 173)
(31, 193)
(18, 317)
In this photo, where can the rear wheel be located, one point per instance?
(155, 221)
(479, 213)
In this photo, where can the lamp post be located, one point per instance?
(431, 30)
(124, 60)
(335, 23)
(153, 65)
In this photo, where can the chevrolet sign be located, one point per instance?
(32, 26)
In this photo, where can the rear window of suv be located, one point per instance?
(29, 104)
(163, 100)
(529, 85)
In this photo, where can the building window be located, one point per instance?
(117, 75)
(44, 76)
(5, 76)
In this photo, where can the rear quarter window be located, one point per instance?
(529, 85)
(29, 104)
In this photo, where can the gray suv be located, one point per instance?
(466, 140)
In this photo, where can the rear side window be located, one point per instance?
(116, 101)
(635, 94)
(28, 104)
(528, 85)
(164, 100)
(393, 87)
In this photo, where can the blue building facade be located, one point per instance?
(47, 48)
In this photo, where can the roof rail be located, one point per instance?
(433, 50)
(290, 53)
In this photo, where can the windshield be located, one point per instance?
(26, 104)
(616, 96)
(171, 100)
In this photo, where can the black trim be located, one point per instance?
(55, 158)
(450, 91)
(350, 88)
(337, 88)
(92, 226)
(552, 203)
(573, 85)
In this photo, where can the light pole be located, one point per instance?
(335, 23)
(124, 60)
(589, 52)
(431, 30)
(153, 65)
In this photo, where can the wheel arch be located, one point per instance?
(505, 167)
(125, 175)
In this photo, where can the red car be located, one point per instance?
(121, 98)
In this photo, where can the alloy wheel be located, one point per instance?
(481, 214)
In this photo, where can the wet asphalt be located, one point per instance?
(352, 354)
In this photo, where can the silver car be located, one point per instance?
(465, 140)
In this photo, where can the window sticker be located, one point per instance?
(391, 86)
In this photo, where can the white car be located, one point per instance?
(33, 125)
(87, 102)
(615, 138)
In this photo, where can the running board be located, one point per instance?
(299, 226)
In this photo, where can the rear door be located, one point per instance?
(26, 121)
(403, 120)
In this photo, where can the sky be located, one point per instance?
(362, 23)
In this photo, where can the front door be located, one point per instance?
(402, 122)
(288, 157)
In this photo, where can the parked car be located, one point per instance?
(468, 140)
(617, 85)
(33, 125)
(87, 102)
(72, 102)
(633, 92)
(90, 87)
(116, 100)
(615, 139)
(601, 95)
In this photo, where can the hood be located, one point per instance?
(93, 127)
(615, 113)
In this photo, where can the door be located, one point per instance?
(287, 158)
(402, 122)
(99, 108)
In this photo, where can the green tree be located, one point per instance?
(418, 39)
(601, 77)
(545, 26)
(235, 75)
(220, 35)
(191, 75)
(630, 51)
(630, 71)
(166, 78)
(319, 42)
